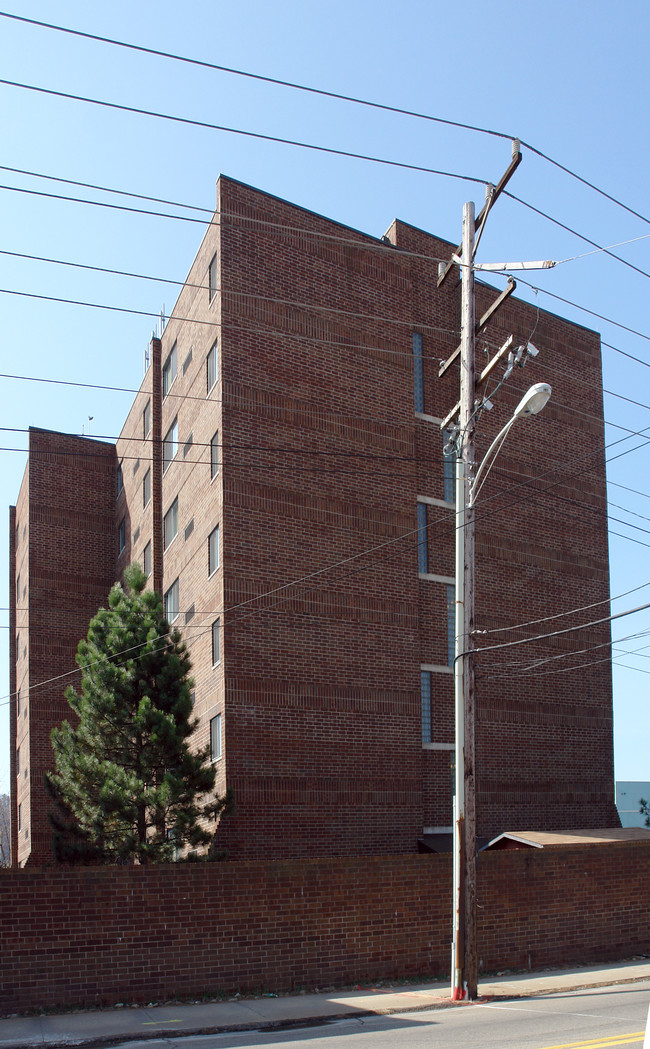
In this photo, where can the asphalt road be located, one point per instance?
(589, 1019)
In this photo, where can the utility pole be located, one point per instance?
(464, 959)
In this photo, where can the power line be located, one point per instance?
(328, 94)
(240, 131)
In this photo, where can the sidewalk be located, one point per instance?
(130, 1024)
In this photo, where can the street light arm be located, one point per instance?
(530, 404)
(498, 440)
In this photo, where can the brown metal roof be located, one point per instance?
(540, 839)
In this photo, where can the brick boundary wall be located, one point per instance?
(97, 936)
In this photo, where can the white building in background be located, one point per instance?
(628, 795)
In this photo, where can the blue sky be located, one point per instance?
(570, 79)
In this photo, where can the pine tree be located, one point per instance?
(127, 787)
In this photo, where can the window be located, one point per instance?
(121, 536)
(18, 588)
(18, 703)
(170, 524)
(18, 761)
(215, 737)
(187, 361)
(449, 467)
(189, 528)
(146, 419)
(188, 446)
(171, 602)
(169, 371)
(216, 642)
(20, 816)
(136, 467)
(120, 478)
(170, 444)
(418, 372)
(425, 698)
(146, 488)
(213, 550)
(214, 456)
(189, 616)
(423, 552)
(136, 535)
(451, 625)
(146, 559)
(212, 278)
(212, 367)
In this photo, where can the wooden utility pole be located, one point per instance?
(464, 955)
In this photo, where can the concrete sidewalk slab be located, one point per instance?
(109, 1026)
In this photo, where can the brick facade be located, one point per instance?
(323, 460)
(82, 937)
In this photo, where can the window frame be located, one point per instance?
(214, 551)
(423, 538)
(214, 456)
(121, 537)
(212, 366)
(170, 370)
(146, 488)
(172, 593)
(146, 556)
(146, 420)
(170, 439)
(170, 520)
(216, 642)
(216, 751)
(212, 277)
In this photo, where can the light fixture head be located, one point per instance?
(533, 400)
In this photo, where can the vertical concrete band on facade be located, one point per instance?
(312, 561)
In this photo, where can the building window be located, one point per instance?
(425, 698)
(451, 625)
(170, 444)
(423, 552)
(20, 816)
(146, 559)
(18, 761)
(121, 536)
(170, 524)
(146, 488)
(187, 361)
(169, 371)
(188, 445)
(212, 278)
(189, 528)
(189, 615)
(213, 550)
(449, 467)
(120, 478)
(212, 367)
(215, 737)
(214, 456)
(18, 703)
(171, 602)
(146, 419)
(216, 642)
(418, 372)
(18, 589)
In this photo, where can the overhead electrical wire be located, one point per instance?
(69, 96)
(328, 94)
(346, 561)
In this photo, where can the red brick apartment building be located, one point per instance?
(281, 476)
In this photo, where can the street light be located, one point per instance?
(530, 404)
(464, 831)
